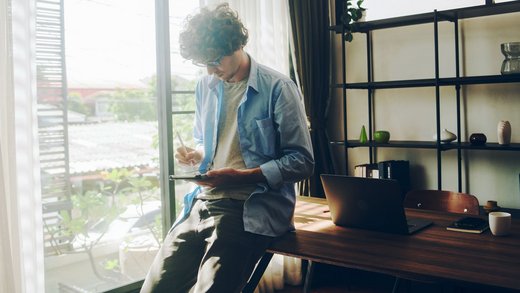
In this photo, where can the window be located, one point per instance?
(98, 141)
(184, 77)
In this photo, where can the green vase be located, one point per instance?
(363, 135)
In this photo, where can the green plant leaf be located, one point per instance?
(351, 14)
(111, 264)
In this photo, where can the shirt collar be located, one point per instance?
(253, 74)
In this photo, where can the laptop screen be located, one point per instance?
(366, 203)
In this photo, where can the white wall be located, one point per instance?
(409, 114)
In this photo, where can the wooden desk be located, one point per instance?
(435, 252)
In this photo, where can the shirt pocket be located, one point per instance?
(265, 138)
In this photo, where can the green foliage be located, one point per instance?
(152, 86)
(111, 265)
(155, 141)
(76, 104)
(351, 14)
(95, 209)
(133, 105)
(116, 175)
(90, 210)
(73, 226)
(140, 104)
(156, 228)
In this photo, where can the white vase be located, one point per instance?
(504, 132)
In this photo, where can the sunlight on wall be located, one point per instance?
(379, 9)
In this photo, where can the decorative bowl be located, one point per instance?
(477, 138)
(381, 136)
(446, 136)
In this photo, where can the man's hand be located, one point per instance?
(230, 176)
(188, 156)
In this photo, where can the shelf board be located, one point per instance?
(429, 145)
(486, 79)
(445, 15)
(488, 146)
(430, 82)
(391, 144)
(391, 84)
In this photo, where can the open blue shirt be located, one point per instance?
(273, 135)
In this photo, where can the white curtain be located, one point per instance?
(269, 28)
(21, 237)
(268, 24)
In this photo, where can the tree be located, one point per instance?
(95, 209)
(76, 104)
(133, 105)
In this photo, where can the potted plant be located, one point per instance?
(350, 14)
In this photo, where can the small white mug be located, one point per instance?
(499, 223)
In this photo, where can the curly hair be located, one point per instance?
(212, 34)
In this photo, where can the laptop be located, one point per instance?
(368, 203)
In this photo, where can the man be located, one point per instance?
(253, 140)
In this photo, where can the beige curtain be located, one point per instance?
(21, 241)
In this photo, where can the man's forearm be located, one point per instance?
(230, 176)
(253, 175)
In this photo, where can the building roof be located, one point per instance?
(100, 146)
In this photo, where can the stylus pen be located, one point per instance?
(182, 142)
(183, 146)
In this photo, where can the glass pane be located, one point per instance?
(184, 79)
(103, 228)
(184, 73)
(184, 102)
(183, 124)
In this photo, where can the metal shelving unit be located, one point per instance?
(437, 82)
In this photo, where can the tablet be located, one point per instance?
(194, 177)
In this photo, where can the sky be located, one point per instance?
(111, 43)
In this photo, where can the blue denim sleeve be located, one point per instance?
(296, 161)
(198, 129)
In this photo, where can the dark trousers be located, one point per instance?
(208, 252)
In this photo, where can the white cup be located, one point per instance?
(499, 223)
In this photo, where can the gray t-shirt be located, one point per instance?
(228, 152)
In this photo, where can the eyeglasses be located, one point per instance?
(214, 63)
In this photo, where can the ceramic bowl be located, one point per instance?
(381, 136)
(477, 138)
